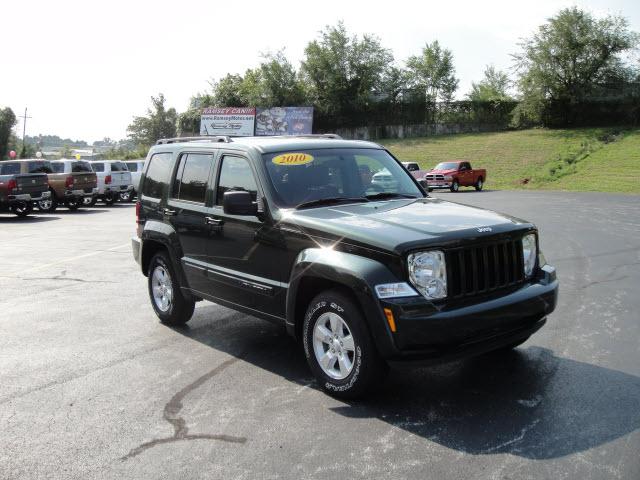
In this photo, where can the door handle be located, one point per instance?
(168, 212)
(213, 221)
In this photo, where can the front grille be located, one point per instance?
(484, 268)
(434, 177)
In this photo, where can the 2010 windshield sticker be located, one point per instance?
(293, 159)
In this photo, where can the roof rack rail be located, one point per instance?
(318, 135)
(210, 138)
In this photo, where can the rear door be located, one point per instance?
(188, 206)
(120, 176)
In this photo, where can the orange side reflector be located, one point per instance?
(392, 323)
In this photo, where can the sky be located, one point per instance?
(84, 69)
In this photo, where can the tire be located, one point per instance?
(109, 198)
(90, 201)
(48, 206)
(430, 190)
(167, 300)
(455, 186)
(125, 197)
(22, 209)
(73, 204)
(352, 364)
(479, 184)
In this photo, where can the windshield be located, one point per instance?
(303, 176)
(446, 166)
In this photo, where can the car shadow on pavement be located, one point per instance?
(29, 219)
(527, 402)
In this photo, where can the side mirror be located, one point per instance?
(239, 203)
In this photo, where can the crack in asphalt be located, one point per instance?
(172, 410)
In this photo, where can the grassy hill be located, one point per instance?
(593, 159)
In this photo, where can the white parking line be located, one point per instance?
(71, 259)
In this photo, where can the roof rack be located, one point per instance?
(210, 138)
(334, 136)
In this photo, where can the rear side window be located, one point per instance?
(98, 167)
(39, 167)
(80, 167)
(192, 177)
(58, 167)
(157, 175)
(118, 167)
(133, 167)
(9, 168)
(236, 174)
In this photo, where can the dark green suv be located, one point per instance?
(294, 230)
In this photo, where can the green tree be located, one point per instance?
(226, 92)
(493, 87)
(159, 122)
(433, 72)
(567, 58)
(7, 122)
(342, 71)
(280, 83)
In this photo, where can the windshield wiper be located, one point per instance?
(384, 195)
(330, 201)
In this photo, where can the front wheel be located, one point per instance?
(22, 209)
(338, 346)
(455, 186)
(170, 305)
(479, 184)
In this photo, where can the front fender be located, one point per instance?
(357, 274)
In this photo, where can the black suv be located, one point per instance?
(293, 230)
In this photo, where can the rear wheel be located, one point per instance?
(22, 209)
(479, 184)
(126, 196)
(338, 346)
(89, 201)
(170, 305)
(455, 186)
(48, 205)
(109, 198)
(73, 203)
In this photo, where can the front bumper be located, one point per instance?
(434, 334)
(118, 188)
(435, 186)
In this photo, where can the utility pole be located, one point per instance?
(24, 126)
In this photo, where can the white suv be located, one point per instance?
(113, 179)
(135, 168)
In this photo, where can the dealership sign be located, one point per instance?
(284, 121)
(228, 121)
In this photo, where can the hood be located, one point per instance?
(444, 172)
(401, 225)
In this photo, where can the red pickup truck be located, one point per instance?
(453, 175)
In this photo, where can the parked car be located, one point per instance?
(453, 175)
(71, 182)
(113, 179)
(22, 182)
(384, 180)
(414, 169)
(283, 228)
(135, 168)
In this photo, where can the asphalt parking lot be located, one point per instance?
(92, 386)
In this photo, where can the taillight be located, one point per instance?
(107, 179)
(68, 182)
(137, 212)
(12, 185)
(139, 226)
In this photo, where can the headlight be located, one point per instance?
(448, 178)
(428, 273)
(529, 253)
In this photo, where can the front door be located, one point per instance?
(246, 252)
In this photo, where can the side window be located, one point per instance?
(157, 175)
(98, 167)
(236, 174)
(192, 177)
(58, 167)
(133, 167)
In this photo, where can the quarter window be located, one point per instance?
(157, 175)
(192, 177)
(236, 174)
(133, 167)
(98, 167)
